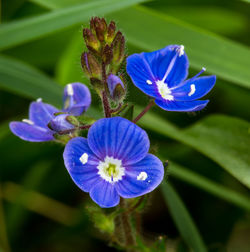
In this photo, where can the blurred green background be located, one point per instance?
(205, 204)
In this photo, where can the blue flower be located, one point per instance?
(113, 162)
(115, 86)
(76, 99)
(162, 75)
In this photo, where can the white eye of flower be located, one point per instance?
(142, 176)
(192, 90)
(28, 121)
(84, 158)
(111, 169)
(164, 91)
(70, 90)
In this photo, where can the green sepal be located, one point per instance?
(62, 138)
(83, 119)
(73, 120)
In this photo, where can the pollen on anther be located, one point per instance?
(70, 90)
(192, 90)
(39, 100)
(142, 176)
(84, 158)
(28, 121)
(181, 50)
(149, 82)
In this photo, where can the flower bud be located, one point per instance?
(91, 66)
(91, 41)
(118, 49)
(59, 123)
(99, 26)
(107, 54)
(116, 87)
(111, 32)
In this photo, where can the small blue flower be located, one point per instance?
(162, 75)
(113, 162)
(76, 99)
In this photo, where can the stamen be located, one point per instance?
(192, 90)
(149, 82)
(39, 100)
(164, 91)
(142, 176)
(84, 158)
(28, 121)
(181, 50)
(70, 90)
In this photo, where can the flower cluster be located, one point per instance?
(45, 120)
(113, 161)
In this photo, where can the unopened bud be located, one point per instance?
(116, 87)
(118, 48)
(107, 54)
(60, 123)
(99, 25)
(91, 66)
(111, 32)
(91, 41)
(97, 84)
(72, 120)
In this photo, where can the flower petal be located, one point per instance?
(83, 173)
(31, 133)
(104, 194)
(194, 89)
(41, 113)
(77, 98)
(182, 106)
(118, 138)
(141, 75)
(171, 61)
(60, 123)
(141, 178)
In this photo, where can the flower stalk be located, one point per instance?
(145, 110)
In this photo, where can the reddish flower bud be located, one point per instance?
(116, 87)
(91, 66)
(111, 32)
(91, 41)
(118, 49)
(107, 54)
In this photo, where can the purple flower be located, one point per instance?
(113, 162)
(162, 75)
(76, 99)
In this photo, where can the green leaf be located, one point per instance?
(222, 138)
(182, 219)
(209, 186)
(18, 32)
(227, 59)
(23, 79)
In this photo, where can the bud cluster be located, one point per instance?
(104, 58)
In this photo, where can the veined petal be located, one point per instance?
(182, 106)
(141, 178)
(169, 64)
(118, 138)
(104, 194)
(81, 163)
(194, 89)
(77, 98)
(139, 71)
(32, 133)
(59, 123)
(41, 113)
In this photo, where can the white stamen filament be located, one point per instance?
(39, 100)
(84, 158)
(70, 90)
(28, 121)
(192, 90)
(142, 176)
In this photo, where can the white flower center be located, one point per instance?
(164, 91)
(111, 169)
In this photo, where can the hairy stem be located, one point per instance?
(126, 225)
(151, 103)
(63, 132)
